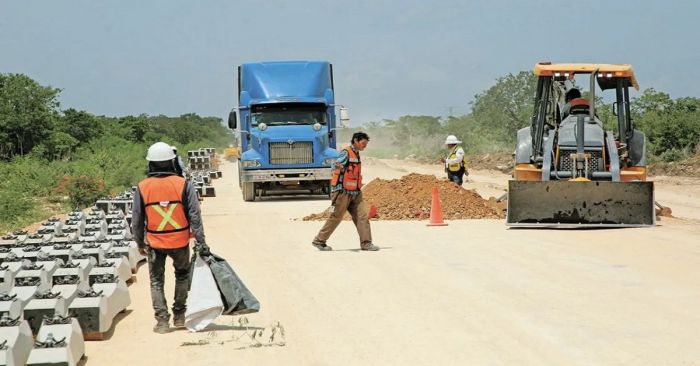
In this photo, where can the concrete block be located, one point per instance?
(5, 250)
(13, 262)
(50, 264)
(106, 245)
(29, 252)
(64, 237)
(93, 249)
(74, 226)
(10, 305)
(208, 191)
(8, 240)
(17, 340)
(21, 235)
(96, 214)
(85, 261)
(6, 278)
(130, 250)
(70, 273)
(30, 281)
(68, 288)
(59, 342)
(118, 268)
(36, 239)
(91, 308)
(46, 304)
(116, 292)
(61, 251)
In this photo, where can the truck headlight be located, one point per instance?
(251, 163)
(329, 161)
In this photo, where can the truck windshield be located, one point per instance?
(288, 114)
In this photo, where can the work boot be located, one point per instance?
(321, 246)
(369, 246)
(162, 326)
(179, 320)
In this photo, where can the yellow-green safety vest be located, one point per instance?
(457, 166)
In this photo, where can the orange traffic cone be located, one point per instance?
(372, 211)
(435, 210)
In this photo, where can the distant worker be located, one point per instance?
(180, 167)
(347, 196)
(166, 210)
(574, 102)
(455, 163)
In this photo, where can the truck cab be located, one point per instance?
(287, 127)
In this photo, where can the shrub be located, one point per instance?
(83, 190)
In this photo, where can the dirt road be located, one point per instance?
(471, 293)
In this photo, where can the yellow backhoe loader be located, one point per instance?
(570, 170)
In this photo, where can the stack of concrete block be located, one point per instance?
(65, 283)
(201, 182)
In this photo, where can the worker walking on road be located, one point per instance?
(455, 163)
(166, 210)
(180, 168)
(347, 196)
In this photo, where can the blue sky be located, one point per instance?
(391, 58)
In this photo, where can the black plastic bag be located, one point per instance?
(236, 296)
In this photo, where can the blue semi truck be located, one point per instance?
(287, 115)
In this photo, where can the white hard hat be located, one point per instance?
(160, 151)
(452, 140)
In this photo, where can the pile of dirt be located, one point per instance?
(689, 167)
(410, 198)
(502, 162)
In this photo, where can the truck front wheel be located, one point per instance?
(248, 189)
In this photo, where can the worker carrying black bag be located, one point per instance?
(235, 295)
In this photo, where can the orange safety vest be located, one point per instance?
(166, 223)
(352, 176)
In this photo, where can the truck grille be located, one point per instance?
(594, 165)
(284, 153)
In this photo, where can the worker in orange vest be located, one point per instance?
(166, 210)
(347, 196)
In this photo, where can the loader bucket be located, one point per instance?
(580, 204)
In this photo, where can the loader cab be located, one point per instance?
(559, 98)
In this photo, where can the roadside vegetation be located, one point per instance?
(53, 160)
(672, 126)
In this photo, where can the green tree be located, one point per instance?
(81, 125)
(506, 107)
(27, 113)
(651, 101)
(672, 127)
(137, 125)
(61, 144)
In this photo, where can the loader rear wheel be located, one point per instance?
(248, 189)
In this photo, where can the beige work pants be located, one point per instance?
(340, 203)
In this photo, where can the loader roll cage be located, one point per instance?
(550, 80)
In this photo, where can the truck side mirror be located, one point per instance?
(614, 108)
(232, 120)
(344, 117)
